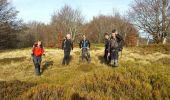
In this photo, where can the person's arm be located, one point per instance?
(120, 41)
(89, 44)
(109, 47)
(42, 51)
(63, 44)
(33, 49)
(72, 45)
(80, 44)
(119, 37)
(107, 44)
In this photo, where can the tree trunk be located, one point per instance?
(164, 20)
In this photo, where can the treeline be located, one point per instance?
(9, 25)
(69, 20)
(15, 34)
(152, 17)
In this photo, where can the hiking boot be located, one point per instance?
(116, 63)
(112, 63)
(89, 60)
(37, 72)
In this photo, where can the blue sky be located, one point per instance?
(41, 10)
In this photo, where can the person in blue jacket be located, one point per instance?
(85, 48)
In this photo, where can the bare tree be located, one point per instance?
(105, 24)
(68, 20)
(9, 25)
(152, 17)
(38, 31)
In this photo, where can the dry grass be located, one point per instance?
(142, 74)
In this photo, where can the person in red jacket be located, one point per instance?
(37, 52)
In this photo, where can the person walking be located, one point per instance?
(37, 52)
(85, 48)
(106, 42)
(114, 47)
(67, 46)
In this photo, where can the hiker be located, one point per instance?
(120, 41)
(114, 47)
(67, 46)
(37, 52)
(85, 48)
(106, 42)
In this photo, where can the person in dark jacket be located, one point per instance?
(106, 42)
(114, 48)
(67, 46)
(120, 41)
(85, 48)
(37, 52)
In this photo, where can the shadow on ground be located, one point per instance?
(9, 60)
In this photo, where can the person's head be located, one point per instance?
(106, 36)
(68, 36)
(114, 32)
(84, 37)
(39, 43)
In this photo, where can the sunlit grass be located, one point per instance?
(141, 74)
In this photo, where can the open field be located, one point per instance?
(143, 73)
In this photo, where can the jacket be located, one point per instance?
(84, 44)
(106, 42)
(38, 51)
(67, 45)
